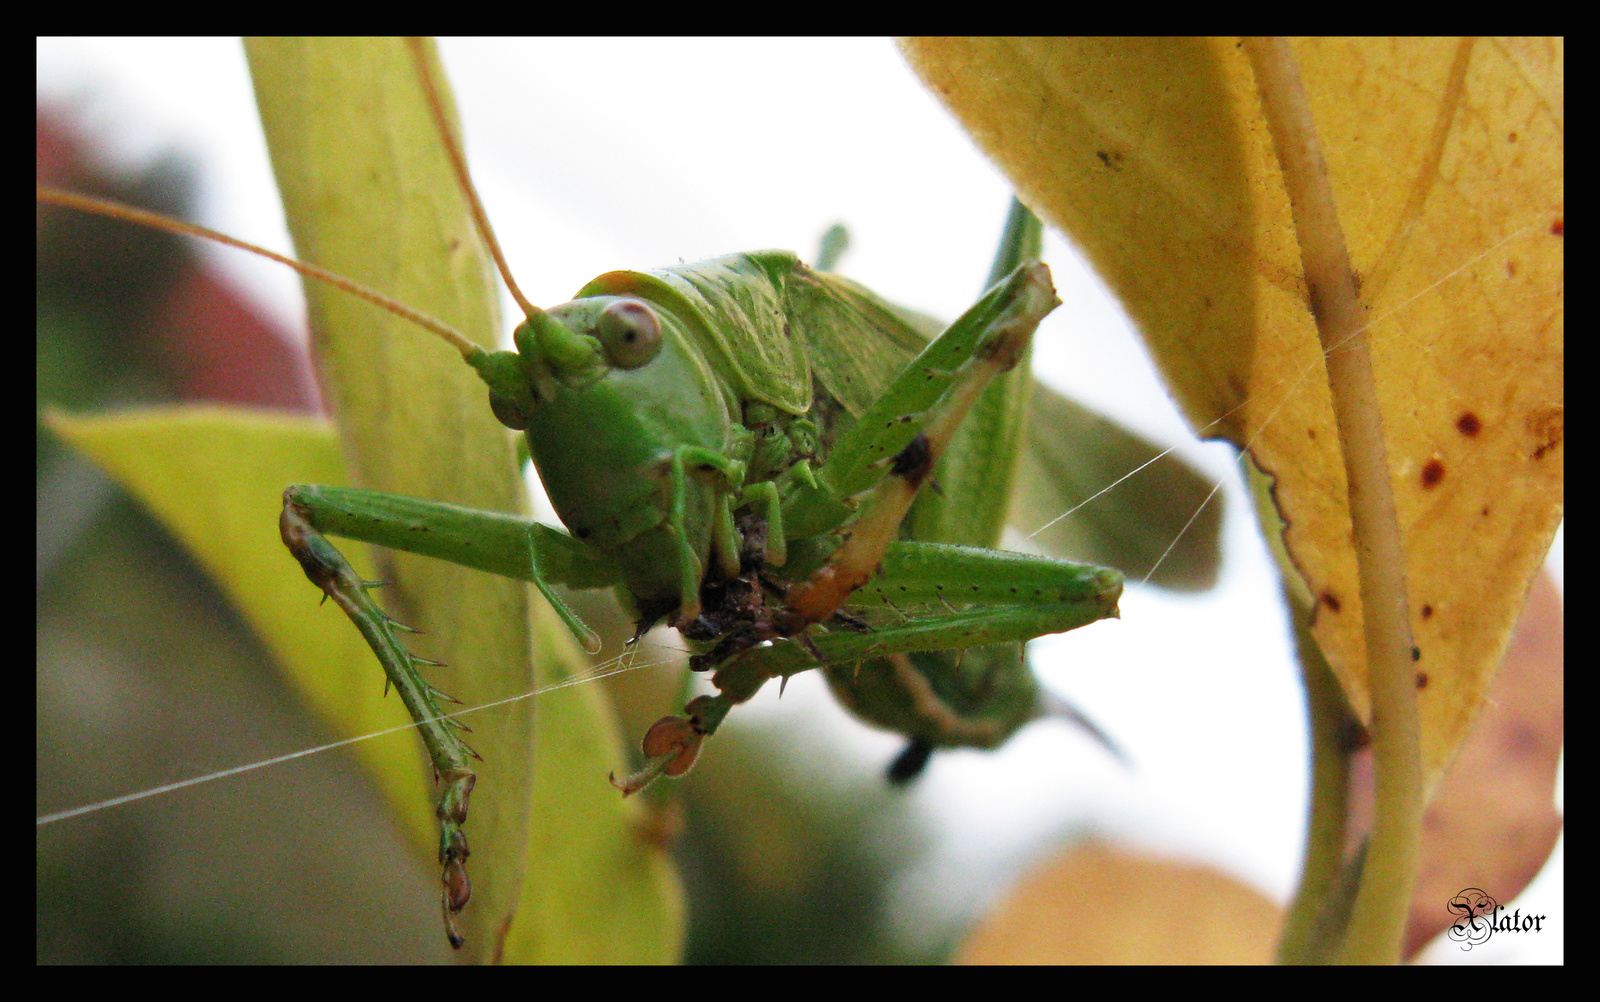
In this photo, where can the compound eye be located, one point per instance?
(629, 332)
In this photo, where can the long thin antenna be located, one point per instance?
(167, 224)
(458, 163)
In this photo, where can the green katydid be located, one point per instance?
(680, 594)
(684, 383)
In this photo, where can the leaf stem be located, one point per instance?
(1379, 915)
(1317, 916)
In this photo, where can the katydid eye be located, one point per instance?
(629, 333)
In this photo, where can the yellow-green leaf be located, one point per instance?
(598, 889)
(215, 478)
(368, 193)
(369, 196)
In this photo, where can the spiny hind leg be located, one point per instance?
(893, 449)
(851, 510)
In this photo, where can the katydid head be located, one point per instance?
(567, 349)
(619, 407)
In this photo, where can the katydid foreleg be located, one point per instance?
(958, 366)
(488, 541)
(329, 571)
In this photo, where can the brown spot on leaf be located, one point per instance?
(1468, 424)
(1331, 601)
(1558, 228)
(1547, 426)
(1110, 158)
(1432, 473)
(1422, 680)
(1427, 612)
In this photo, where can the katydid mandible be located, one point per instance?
(740, 493)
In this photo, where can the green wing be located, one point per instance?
(777, 331)
(769, 324)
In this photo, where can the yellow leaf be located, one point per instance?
(1493, 821)
(1098, 905)
(1446, 163)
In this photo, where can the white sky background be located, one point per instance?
(595, 155)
